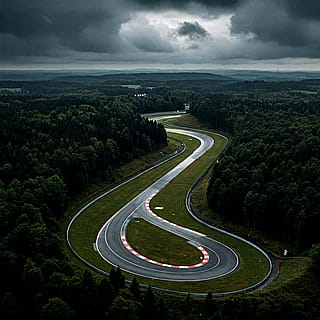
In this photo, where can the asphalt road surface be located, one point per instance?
(217, 259)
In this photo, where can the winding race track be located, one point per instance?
(217, 259)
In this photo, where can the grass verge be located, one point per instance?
(83, 232)
(253, 265)
(289, 271)
(160, 245)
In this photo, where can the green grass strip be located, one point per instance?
(160, 245)
(253, 265)
(84, 230)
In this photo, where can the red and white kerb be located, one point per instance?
(201, 249)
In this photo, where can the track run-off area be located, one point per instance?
(217, 259)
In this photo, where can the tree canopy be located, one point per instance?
(269, 178)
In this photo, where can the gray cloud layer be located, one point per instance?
(193, 30)
(107, 30)
(79, 25)
(178, 4)
(284, 23)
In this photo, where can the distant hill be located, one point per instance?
(144, 79)
(155, 74)
(158, 83)
(270, 75)
(81, 75)
(108, 83)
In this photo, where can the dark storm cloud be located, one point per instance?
(308, 9)
(79, 25)
(32, 17)
(286, 23)
(193, 30)
(66, 30)
(184, 3)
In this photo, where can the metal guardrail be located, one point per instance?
(155, 165)
(214, 225)
(196, 215)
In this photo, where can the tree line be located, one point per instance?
(269, 178)
(51, 149)
(76, 143)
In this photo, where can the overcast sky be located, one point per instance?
(255, 34)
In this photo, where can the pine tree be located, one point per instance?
(135, 290)
(149, 304)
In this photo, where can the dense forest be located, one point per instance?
(54, 146)
(270, 177)
(155, 83)
(50, 151)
